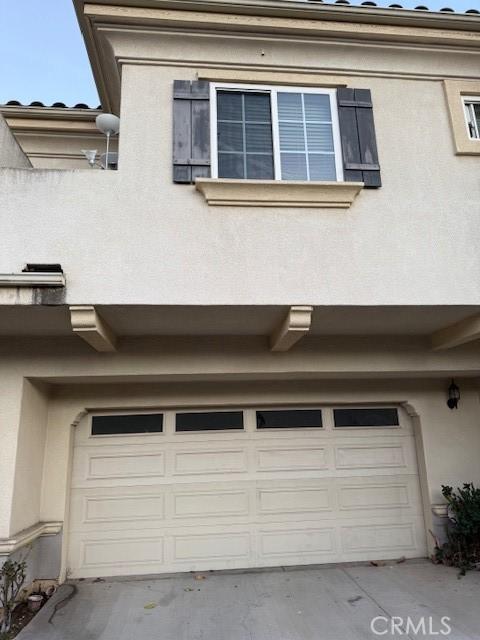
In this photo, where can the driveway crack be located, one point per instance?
(62, 603)
(370, 597)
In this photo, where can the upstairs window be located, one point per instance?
(275, 133)
(472, 114)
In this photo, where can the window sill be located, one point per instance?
(278, 193)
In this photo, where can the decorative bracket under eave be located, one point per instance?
(466, 330)
(292, 329)
(89, 326)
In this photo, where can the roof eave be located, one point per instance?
(270, 8)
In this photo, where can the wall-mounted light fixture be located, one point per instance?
(453, 396)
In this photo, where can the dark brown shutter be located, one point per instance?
(357, 132)
(191, 130)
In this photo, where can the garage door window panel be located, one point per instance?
(129, 424)
(290, 419)
(209, 421)
(366, 417)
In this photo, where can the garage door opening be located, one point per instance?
(189, 490)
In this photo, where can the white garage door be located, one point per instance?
(182, 491)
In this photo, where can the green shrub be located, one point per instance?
(462, 548)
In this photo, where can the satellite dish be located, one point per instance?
(108, 123)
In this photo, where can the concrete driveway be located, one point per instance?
(326, 603)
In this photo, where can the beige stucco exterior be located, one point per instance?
(11, 154)
(183, 298)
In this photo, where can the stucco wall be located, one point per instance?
(29, 459)
(414, 241)
(10, 399)
(11, 154)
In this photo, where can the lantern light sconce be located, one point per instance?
(453, 396)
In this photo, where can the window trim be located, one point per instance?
(455, 93)
(274, 90)
(468, 101)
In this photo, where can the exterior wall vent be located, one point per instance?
(33, 267)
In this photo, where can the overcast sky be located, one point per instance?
(43, 57)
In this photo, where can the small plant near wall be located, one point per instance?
(12, 577)
(462, 548)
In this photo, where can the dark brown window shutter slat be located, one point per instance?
(191, 130)
(357, 132)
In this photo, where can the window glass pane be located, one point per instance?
(290, 106)
(476, 109)
(259, 167)
(229, 105)
(230, 136)
(322, 166)
(230, 165)
(289, 419)
(372, 417)
(118, 425)
(292, 136)
(472, 112)
(258, 138)
(305, 129)
(294, 166)
(319, 137)
(250, 133)
(257, 107)
(209, 421)
(317, 107)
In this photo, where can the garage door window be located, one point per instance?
(369, 417)
(289, 419)
(127, 424)
(209, 421)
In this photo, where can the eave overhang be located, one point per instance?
(279, 17)
(57, 120)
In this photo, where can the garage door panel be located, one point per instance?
(104, 554)
(117, 466)
(209, 461)
(201, 504)
(212, 546)
(375, 456)
(294, 500)
(96, 511)
(309, 458)
(379, 538)
(311, 541)
(379, 493)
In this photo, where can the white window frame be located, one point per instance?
(273, 90)
(468, 102)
